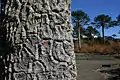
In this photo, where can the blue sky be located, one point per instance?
(97, 7)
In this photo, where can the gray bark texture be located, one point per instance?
(40, 34)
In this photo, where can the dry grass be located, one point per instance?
(111, 47)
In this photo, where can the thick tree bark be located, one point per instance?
(40, 34)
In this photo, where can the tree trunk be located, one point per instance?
(40, 34)
(79, 38)
(103, 34)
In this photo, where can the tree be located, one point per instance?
(79, 19)
(75, 33)
(103, 21)
(40, 34)
(118, 20)
(114, 35)
(91, 32)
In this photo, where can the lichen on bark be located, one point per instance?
(41, 34)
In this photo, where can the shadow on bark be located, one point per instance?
(5, 50)
(6, 47)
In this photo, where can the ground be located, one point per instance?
(87, 67)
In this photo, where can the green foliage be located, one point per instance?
(75, 33)
(80, 17)
(90, 30)
(118, 20)
(102, 20)
(114, 35)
